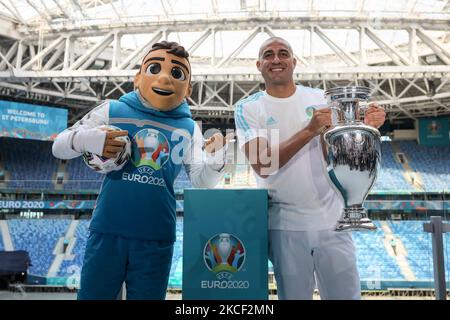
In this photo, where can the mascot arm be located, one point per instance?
(204, 170)
(83, 135)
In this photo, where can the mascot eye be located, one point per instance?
(178, 74)
(154, 68)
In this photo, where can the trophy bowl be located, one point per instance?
(352, 154)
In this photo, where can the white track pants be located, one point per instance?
(300, 258)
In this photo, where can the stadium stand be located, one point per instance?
(176, 270)
(182, 181)
(432, 163)
(68, 267)
(30, 163)
(418, 246)
(374, 263)
(390, 177)
(38, 238)
(81, 177)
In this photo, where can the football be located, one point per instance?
(105, 165)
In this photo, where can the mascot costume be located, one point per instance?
(132, 231)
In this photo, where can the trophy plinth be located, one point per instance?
(353, 155)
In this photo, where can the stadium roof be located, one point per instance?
(45, 15)
(53, 12)
(68, 50)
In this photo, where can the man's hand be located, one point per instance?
(320, 121)
(113, 147)
(374, 115)
(216, 142)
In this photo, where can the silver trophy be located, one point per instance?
(353, 155)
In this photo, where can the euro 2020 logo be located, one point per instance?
(150, 148)
(224, 254)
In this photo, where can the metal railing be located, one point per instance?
(437, 228)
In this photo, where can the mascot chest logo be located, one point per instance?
(150, 148)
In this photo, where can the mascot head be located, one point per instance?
(164, 79)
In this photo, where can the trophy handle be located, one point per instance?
(363, 108)
(364, 105)
(334, 107)
(325, 137)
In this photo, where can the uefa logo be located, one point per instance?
(310, 111)
(224, 254)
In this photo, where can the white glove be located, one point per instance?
(90, 140)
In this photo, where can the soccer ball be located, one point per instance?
(105, 165)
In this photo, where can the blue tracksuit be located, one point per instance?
(133, 223)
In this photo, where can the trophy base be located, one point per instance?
(355, 219)
(355, 226)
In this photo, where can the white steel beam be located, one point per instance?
(51, 62)
(41, 13)
(116, 50)
(413, 54)
(86, 59)
(447, 107)
(43, 53)
(443, 83)
(199, 41)
(241, 47)
(115, 11)
(48, 92)
(80, 8)
(396, 56)
(443, 54)
(362, 47)
(6, 59)
(63, 10)
(345, 56)
(214, 7)
(13, 10)
(138, 54)
(68, 53)
(249, 73)
(243, 23)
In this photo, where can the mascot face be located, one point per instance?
(164, 79)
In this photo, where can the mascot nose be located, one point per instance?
(164, 79)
